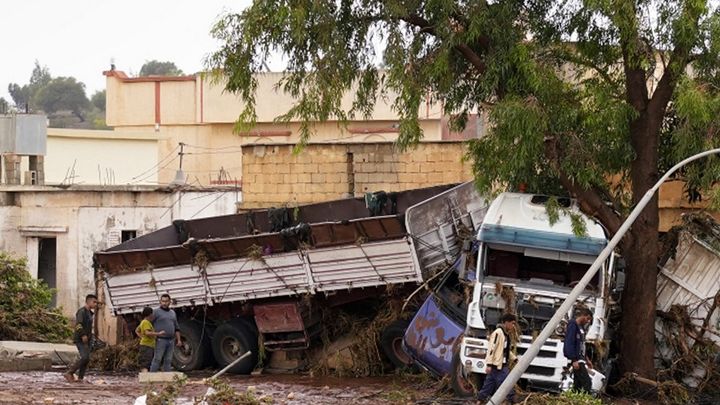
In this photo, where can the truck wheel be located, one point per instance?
(464, 386)
(391, 343)
(230, 341)
(195, 349)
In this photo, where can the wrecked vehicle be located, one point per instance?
(520, 261)
(259, 280)
(688, 304)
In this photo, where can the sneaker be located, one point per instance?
(69, 377)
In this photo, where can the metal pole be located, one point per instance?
(229, 366)
(533, 350)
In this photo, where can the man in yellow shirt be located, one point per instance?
(148, 336)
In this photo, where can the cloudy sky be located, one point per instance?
(80, 37)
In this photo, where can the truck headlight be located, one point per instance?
(475, 352)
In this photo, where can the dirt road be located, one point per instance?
(111, 389)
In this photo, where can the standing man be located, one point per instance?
(165, 320)
(574, 349)
(82, 338)
(499, 357)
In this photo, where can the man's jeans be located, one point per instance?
(81, 364)
(581, 379)
(493, 382)
(163, 352)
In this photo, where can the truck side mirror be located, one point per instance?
(619, 281)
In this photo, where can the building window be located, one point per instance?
(127, 235)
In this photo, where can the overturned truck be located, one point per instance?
(262, 277)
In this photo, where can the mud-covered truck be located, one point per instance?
(513, 260)
(264, 276)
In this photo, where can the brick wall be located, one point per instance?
(274, 176)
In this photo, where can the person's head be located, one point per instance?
(583, 316)
(91, 301)
(147, 313)
(508, 322)
(165, 301)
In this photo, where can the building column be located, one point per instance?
(12, 169)
(37, 163)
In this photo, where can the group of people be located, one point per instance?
(501, 354)
(158, 331)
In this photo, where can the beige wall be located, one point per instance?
(273, 175)
(76, 156)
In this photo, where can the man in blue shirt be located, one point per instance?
(165, 320)
(574, 349)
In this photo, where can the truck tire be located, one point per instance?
(195, 351)
(391, 343)
(464, 386)
(230, 341)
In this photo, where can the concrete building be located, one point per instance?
(194, 111)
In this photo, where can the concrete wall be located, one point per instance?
(273, 175)
(90, 157)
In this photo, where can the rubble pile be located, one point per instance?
(120, 357)
(25, 310)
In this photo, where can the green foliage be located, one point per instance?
(98, 100)
(225, 394)
(4, 106)
(23, 95)
(157, 68)
(25, 310)
(168, 394)
(62, 94)
(566, 398)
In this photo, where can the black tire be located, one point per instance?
(391, 344)
(230, 341)
(464, 386)
(195, 351)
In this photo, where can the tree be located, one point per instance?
(157, 68)
(581, 109)
(22, 95)
(98, 100)
(62, 94)
(4, 106)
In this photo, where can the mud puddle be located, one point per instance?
(111, 389)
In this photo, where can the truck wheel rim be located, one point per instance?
(399, 352)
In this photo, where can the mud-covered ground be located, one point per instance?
(109, 389)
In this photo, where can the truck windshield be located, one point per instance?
(517, 266)
(453, 296)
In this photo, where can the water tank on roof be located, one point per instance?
(23, 134)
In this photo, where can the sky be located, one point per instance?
(80, 38)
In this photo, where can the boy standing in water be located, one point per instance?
(148, 337)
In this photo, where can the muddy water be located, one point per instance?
(111, 389)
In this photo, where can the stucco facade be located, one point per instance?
(58, 230)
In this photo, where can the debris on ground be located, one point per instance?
(566, 398)
(26, 312)
(120, 357)
(222, 393)
(351, 343)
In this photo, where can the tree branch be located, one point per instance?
(625, 18)
(591, 202)
(427, 28)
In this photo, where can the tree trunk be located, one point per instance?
(637, 347)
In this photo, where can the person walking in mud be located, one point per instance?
(165, 320)
(574, 350)
(499, 357)
(83, 338)
(148, 339)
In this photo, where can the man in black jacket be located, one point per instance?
(82, 337)
(574, 349)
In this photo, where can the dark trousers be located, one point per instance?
(493, 382)
(81, 364)
(581, 379)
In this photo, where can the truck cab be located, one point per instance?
(528, 266)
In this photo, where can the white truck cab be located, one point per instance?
(527, 266)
